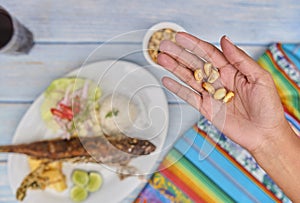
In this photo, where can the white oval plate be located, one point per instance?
(123, 77)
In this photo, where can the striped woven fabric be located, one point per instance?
(283, 62)
(206, 166)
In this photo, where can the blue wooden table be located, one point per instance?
(66, 32)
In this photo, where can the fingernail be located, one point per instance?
(179, 32)
(166, 81)
(228, 39)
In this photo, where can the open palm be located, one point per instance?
(253, 115)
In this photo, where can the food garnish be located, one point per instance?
(78, 193)
(95, 182)
(84, 183)
(80, 178)
(111, 113)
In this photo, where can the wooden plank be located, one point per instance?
(6, 194)
(10, 115)
(23, 78)
(76, 20)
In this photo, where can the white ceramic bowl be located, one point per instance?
(151, 31)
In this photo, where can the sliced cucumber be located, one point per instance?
(80, 178)
(95, 182)
(78, 194)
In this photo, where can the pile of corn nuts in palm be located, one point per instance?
(208, 76)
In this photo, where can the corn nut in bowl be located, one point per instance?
(154, 36)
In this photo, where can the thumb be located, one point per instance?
(240, 60)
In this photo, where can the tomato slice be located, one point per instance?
(61, 114)
(66, 109)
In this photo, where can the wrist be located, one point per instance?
(278, 155)
(273, 139)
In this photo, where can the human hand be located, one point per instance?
(254, 115)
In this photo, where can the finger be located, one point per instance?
(202, 49)
(241, 61)
(209, 53)
(181, 55)
(181, 72)
(187, 95)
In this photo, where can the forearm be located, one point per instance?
(280, 158)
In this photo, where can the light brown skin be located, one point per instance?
(254, 118)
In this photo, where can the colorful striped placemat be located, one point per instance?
(205, 166)
(283, 62)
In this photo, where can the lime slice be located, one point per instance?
(78, 194)
(95, 182)
(80, 178)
